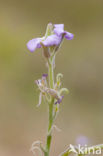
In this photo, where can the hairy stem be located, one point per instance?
(50, 124)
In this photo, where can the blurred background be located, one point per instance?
(80, 60)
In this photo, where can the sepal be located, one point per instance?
(49, 30)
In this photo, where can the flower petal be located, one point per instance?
(68, 35)
(59, 29)
(40, 99)
(61, 26)
(52, 40)
(33, 44)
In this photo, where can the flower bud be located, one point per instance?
(64, 90)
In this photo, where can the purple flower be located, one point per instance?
(54, 38)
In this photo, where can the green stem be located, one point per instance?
(50, 124)
(51, 74)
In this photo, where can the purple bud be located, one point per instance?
(59, 100)
(45, 75)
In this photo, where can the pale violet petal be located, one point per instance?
(60, 26)
(59, 29)
(68, 35)
(33, 44)
(52, 40)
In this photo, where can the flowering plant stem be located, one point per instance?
(51, 103)
(54, 93)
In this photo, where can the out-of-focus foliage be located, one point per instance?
(80, 60)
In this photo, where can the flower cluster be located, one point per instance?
(50, 43)
(49, 87)
(52, 89)
(53, 37)
(47, 92)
